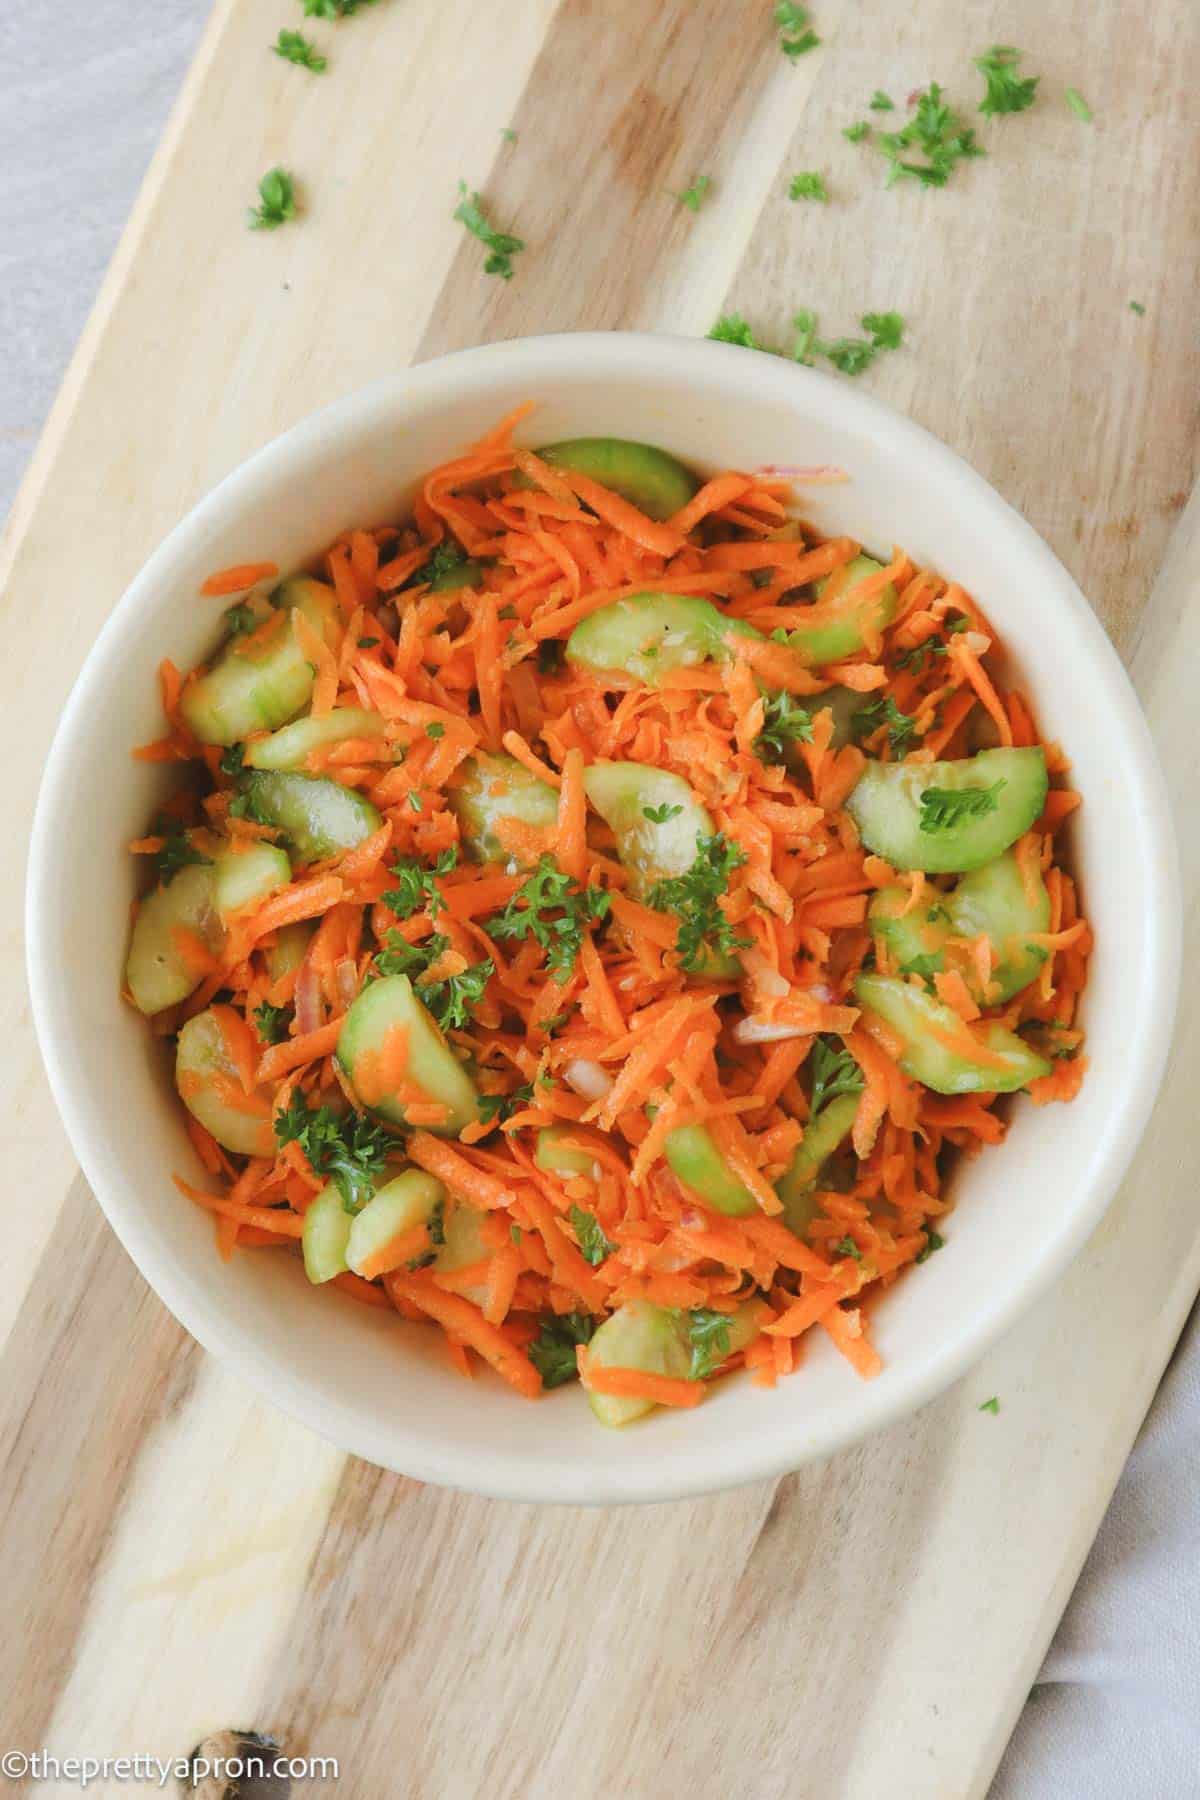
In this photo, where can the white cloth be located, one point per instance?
(85, 88)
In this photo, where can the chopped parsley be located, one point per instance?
(944, 808)
(849, 355)
(692, 196)
(450, 1001)
(399, 957)
(796, 36)
(927, 964)
(935, 132)
(659, 815)
(271, 1022)
(277, 196)
(731, 328)
(879, 102)
(494, 1109)
(294, 47)
(502, 246)
(834, 1072)
(232, 758)
(367, 643)
(552, 1351)
(508, 134)
(1079, 105)
(177, 852)
(555, 911)
(808, 185)
(693, 898)
(240, 619)
(855, 133)
(933, 1243)
(351, 1150)
(1006, 90)
(435, 729)
(708, 1334)
(914, 660)
(447, 556)
(1135, 306)
(589, 1235)
(846, 1246)
(333, 9)
(901, 728)
(417, 887)
(784, 723)
(991, 1406)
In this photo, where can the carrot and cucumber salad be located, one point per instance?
(596, 912)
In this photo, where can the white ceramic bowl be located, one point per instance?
(382, 1388)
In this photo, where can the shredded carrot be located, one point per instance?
(577, 996)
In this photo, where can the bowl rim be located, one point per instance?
(701, 1468)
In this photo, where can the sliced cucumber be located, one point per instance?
(928, 1030)
(694, 1158)
(157, 974)
(432, 1065)
(318, 817)
(558, 1158)
(822, 1136)
(249, 874)
(642, 1336)
(656, 483)
(887, 807)
(327, 1228)
(845, 623)
(290, 747)
(202, 1068)
(650, 849)
(646, 635)
(409, 1200)
(494, 787)
(289, 949)
(260, 684)
(915, 935)
(464, 1245)
(993, 900)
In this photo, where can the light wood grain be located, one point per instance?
(182, 1558)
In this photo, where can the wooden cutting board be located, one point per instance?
(178, 1557)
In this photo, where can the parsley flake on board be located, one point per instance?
(552, 1351)
(854, 134)
(693, 196)
(731, 328)
(502, 246)
(944, 808)
(796, 36)
(277, 196)
(350, 1150)
(935, 132)
(333, 9)
(849, 355)
(294, 47)
(991, 1406)
(1006, 91)
(880, 102)
(693, 898)
(1079, 105)
(555, 911)
(809, 184)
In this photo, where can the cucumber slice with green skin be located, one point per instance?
(993, 900)
(844, 624)
(318, 817)
(639, 1335)
(289, 949)
(410, 1200)
(990, 901)
(651, 850)
(200, 1058)
(646, 635)
(822, 1136)
(243, 876)
(657, 483)
(252, 687)
(290, 747)
(558, 1158)
(495, 787)
(326, 1237)
(886, 807)
(157, 975)
(467, 573)
(432, 1065)
(922, 1025)
(694, 1158)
